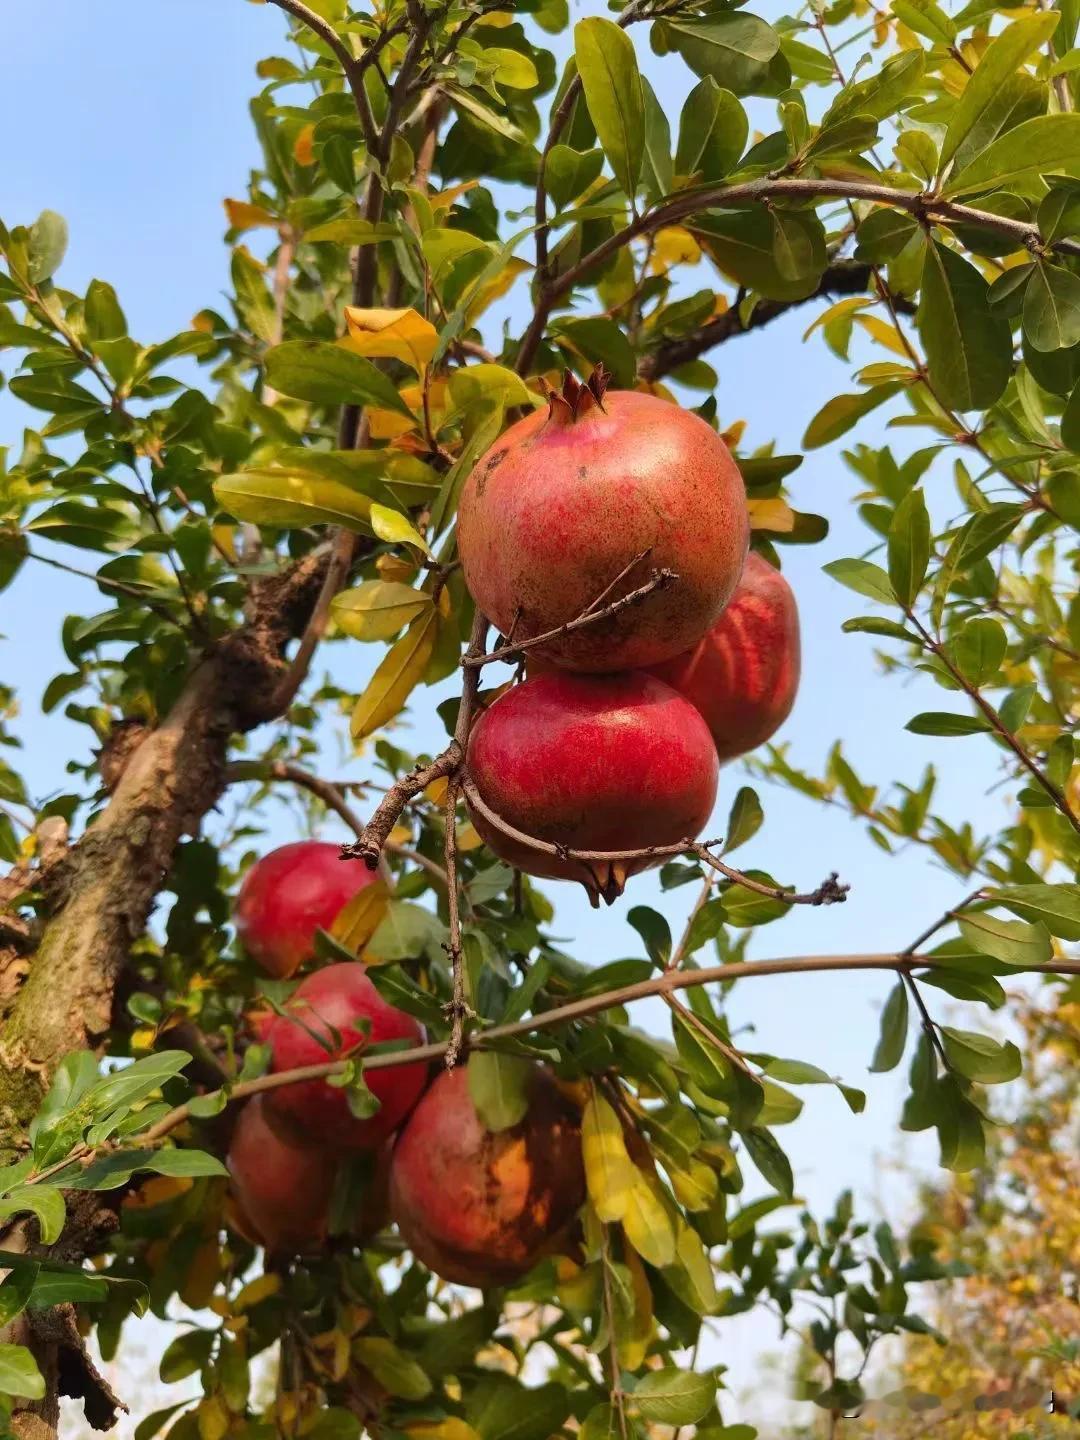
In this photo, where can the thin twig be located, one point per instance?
(458, 1009)
(659, 580)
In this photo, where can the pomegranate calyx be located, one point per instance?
(577, 398)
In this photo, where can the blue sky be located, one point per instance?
(133, 125)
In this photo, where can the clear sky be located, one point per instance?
(130, 119)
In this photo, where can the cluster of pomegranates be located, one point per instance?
(476, 1207)
(614, 740)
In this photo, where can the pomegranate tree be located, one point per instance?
(287, 896)
(743, 675)
(566, 499)
(480, 1207)
(591, 762)
(334, 1012)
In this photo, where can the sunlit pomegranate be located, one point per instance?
(481, 1208)
(282, 1190)
(567, 498)
(288, 895)
(591, 762)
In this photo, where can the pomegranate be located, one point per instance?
(288, 895)
(563, 503)
(591, 762)
(326, 1006)
(744, 674)
(481, 1208)
(282, 1190)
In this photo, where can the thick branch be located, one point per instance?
(843, 277)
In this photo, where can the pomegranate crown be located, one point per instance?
(577, 398)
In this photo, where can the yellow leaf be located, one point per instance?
(202, 1275)
(436, 791)
(467, 838)
(445, 198)
(394, 569)
(391, 334)
(400, 671)
(243, 216)
(494, 289)
(158, 1190)
(775, 515)
(303, 150)
(499, 19)
(391, 525)
(674, 246)
(512, 69)
(358, 921)
(646, 1222)
(449, 1429)
(609, 1172)
(634, 1340)
(378, 609)
(733, 434)
(281, 498)
(884, 333)
(213, 1418)
(256, 1291)
(490, 382)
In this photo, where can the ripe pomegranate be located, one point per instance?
(288, 895)
(282, 1191)
(744, 674)
(481, 1208)
(333, 1000)
(565, 501)
(591, 762)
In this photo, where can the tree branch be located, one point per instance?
(843, 277)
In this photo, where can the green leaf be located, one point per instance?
(745, 819)
(980, 1057)
(378, 609)
(712, 132)
(775, 1167)
(909, 547)
(743, 245)
(503, 1409)
(289, 501)
(326, 374)
(1047, 144)
(962, 985)
(568, 172)
(655, 931)
(15, 1292)
(499, 1088)
(1014, 942)
(673, 1396)
(609, 73)
(979, 650)
(940, 722)
(968, 345)
(185, 1355)
(1052, 308)
(734, 49)
(894, 1029)
(706, 925)
(47, 246)
(1001, 58)
(19, 1374)
(397, 1372)
(658, 171)
(880, 95)
(960, 1129)
(136, 1082)
(101, 310)
(864, 578)
(843, 412)
(926, 18)
(406, 932)
(1056, 906)
(43, 1201)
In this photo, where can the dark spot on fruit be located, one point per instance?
(582, 472)
(496, 460)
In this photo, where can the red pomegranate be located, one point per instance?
(282, 1190)
(288, 895)
(327, 1006)
(744, 674)
(481, 1208)
(566, 500)
(591, 762)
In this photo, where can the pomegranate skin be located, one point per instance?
(744, 675)
(282, 1190)
(289, 894)
(592, 762)
(559, 506)
(481, 1208)
(334, 998)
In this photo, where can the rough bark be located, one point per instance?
(105, 889)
